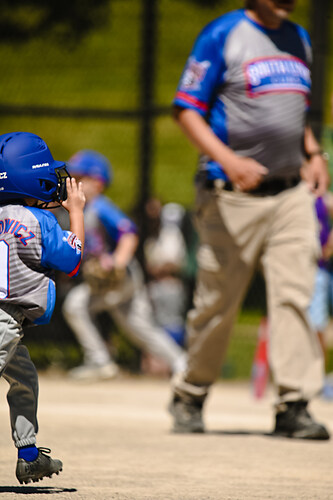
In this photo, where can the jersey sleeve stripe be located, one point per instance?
(193, 101)
(75, 271)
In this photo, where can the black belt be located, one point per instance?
(269, 187)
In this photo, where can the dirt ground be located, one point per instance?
(115, 442)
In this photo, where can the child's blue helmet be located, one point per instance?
(88, 163)
(28, 170)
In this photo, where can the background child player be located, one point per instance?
(112, 281)
(32, 245)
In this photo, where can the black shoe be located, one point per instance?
(187, 415)
(37, 469)
(296, 422)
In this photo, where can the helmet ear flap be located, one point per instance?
(46, 185)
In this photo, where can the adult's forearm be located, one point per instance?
(311, 145)
(202, 136)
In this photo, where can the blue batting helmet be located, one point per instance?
(28, 170)
(91, 164)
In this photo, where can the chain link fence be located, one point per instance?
(108, 86)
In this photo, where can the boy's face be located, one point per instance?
(91, 187)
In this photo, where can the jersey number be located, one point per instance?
(4, 269)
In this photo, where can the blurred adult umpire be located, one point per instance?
(242, 100)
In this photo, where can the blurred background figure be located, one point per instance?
(322, 299)
(112, 280)
(165, 257)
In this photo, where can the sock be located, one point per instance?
(28, 453)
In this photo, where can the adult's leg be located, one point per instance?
(290, 262)
(232, 228)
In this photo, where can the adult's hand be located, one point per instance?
(245, 173)
(316, 174)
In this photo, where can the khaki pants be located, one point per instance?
(238, 232)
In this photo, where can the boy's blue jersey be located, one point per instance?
(104, 224)
(32, 246)
(252, 85)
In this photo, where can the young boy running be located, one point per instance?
(32, 246)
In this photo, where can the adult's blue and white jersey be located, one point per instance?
(252, 85)
(104, 224)
(32, 246)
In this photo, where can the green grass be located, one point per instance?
(49, 353)
(63, 354)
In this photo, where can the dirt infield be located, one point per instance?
(114, 440)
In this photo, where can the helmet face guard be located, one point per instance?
(61, 192)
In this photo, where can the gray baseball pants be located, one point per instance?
(130, 307)
(20, 372)
(237, 232)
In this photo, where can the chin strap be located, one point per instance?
(45, 204)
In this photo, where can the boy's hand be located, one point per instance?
(75, 196)
(101, 274)
(74, 205)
